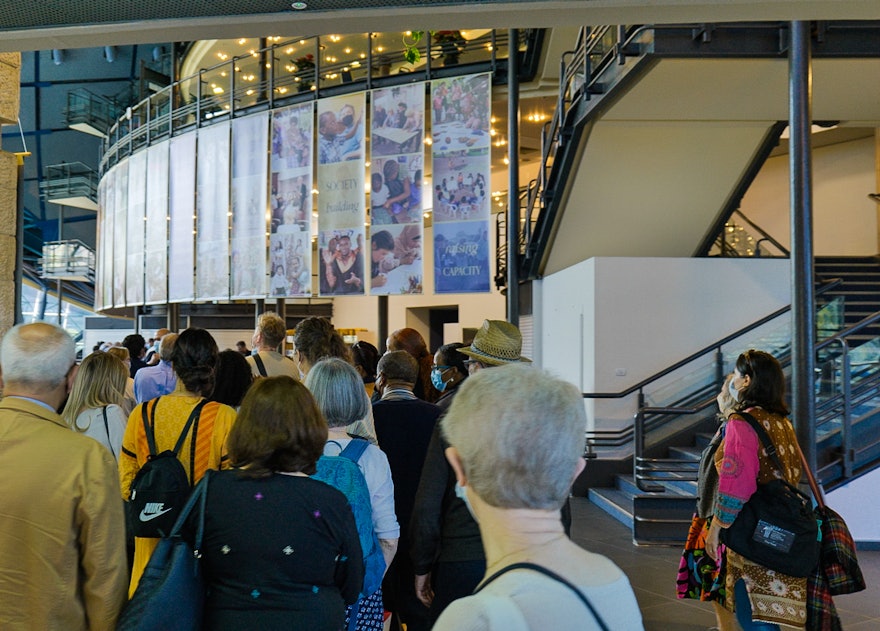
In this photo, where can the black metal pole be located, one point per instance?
(803, 303)
(513, 177)
(383, 323)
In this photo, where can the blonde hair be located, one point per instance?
(100, 381)
(119, 352)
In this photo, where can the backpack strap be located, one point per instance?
(192, 421)
(551, 574)
(260, 365)
(107, 429)
(149, 424)
(354, 449)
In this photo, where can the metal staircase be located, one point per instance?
(654, 490)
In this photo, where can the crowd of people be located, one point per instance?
(355, 489)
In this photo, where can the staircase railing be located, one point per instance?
(649, 418)
(726, 248)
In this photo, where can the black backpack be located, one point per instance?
(161, 487)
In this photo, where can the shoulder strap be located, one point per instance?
(769, 447)
(107, 429)
(149, 424)
(198, 496)
(553, 575)
(192, 421)
(260, 365)
(354, 449)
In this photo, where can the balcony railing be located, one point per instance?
(70, 184)
(68, 260)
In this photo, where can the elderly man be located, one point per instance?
(404, 425)
(517, 437)
(154, 381)
(267, 361)
(62, 551)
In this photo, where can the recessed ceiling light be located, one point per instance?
(298, 6)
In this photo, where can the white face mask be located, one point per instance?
(733, 391)
(461, 493)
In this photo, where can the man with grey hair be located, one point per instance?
(266, 361)
(154, 381)
(62, 553)
(404, 425)
(517, 440)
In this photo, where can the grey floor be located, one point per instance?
(652, 571)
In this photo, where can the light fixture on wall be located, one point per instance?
(57, 56)
(875, 197)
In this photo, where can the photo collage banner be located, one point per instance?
(397, 131)
(232, 210)
(341, 197)
(290, 199)
(461, 109)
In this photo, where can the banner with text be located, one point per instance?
(341, 202)
(290, 233)
(250, 137)
(156, 248)
(212, 216)
(460, 119)
(181, 244)
(397, 130)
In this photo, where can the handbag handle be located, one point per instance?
(811, 479)
(199, 495)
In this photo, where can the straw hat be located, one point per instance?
(496, 343)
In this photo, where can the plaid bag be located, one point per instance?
(821, 613)
(838, 555)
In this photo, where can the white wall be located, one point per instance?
(607, 316)
(862, 517)
(844, 219)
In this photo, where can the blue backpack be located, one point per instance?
(342, 472)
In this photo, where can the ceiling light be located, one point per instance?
(298, 6)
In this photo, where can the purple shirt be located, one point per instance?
(154, 381)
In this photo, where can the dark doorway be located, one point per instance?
(436, 319)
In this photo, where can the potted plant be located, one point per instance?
(305, 68)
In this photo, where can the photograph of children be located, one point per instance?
(461, 187)
(341, 259)
(290, 200)
(289, 263)
(341, 129)
(396, 260)
(396, 190)
(461, 257)
(292, 138)
(461, 109)
(398, 121)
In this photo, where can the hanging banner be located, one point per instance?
(212, 214)
(156, 248)
(250, 138)
(461, 109)
(290, 239)
(100, 234)
(120, 228)
(396, 169)
(341, 202)
(181, 242)
(134, 235)
(107, 248)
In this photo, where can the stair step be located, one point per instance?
(702, 440)
(672, 485)
(662, 520)
(685, 453)
(616, 503)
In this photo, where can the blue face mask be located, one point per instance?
(437, 380)
(461, 493)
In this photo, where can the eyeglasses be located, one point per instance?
(440, 368)
(472, 362)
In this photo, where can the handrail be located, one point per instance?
(766, 236)
(183, 104)
(831, 284)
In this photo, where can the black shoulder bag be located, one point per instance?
(777, 527)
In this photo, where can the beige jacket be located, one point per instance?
(62, 530)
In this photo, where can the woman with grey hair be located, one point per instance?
(339, 392)
(514, 482)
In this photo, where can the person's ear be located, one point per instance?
(746, 381)
(454, 459)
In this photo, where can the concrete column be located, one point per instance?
(10, 72)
